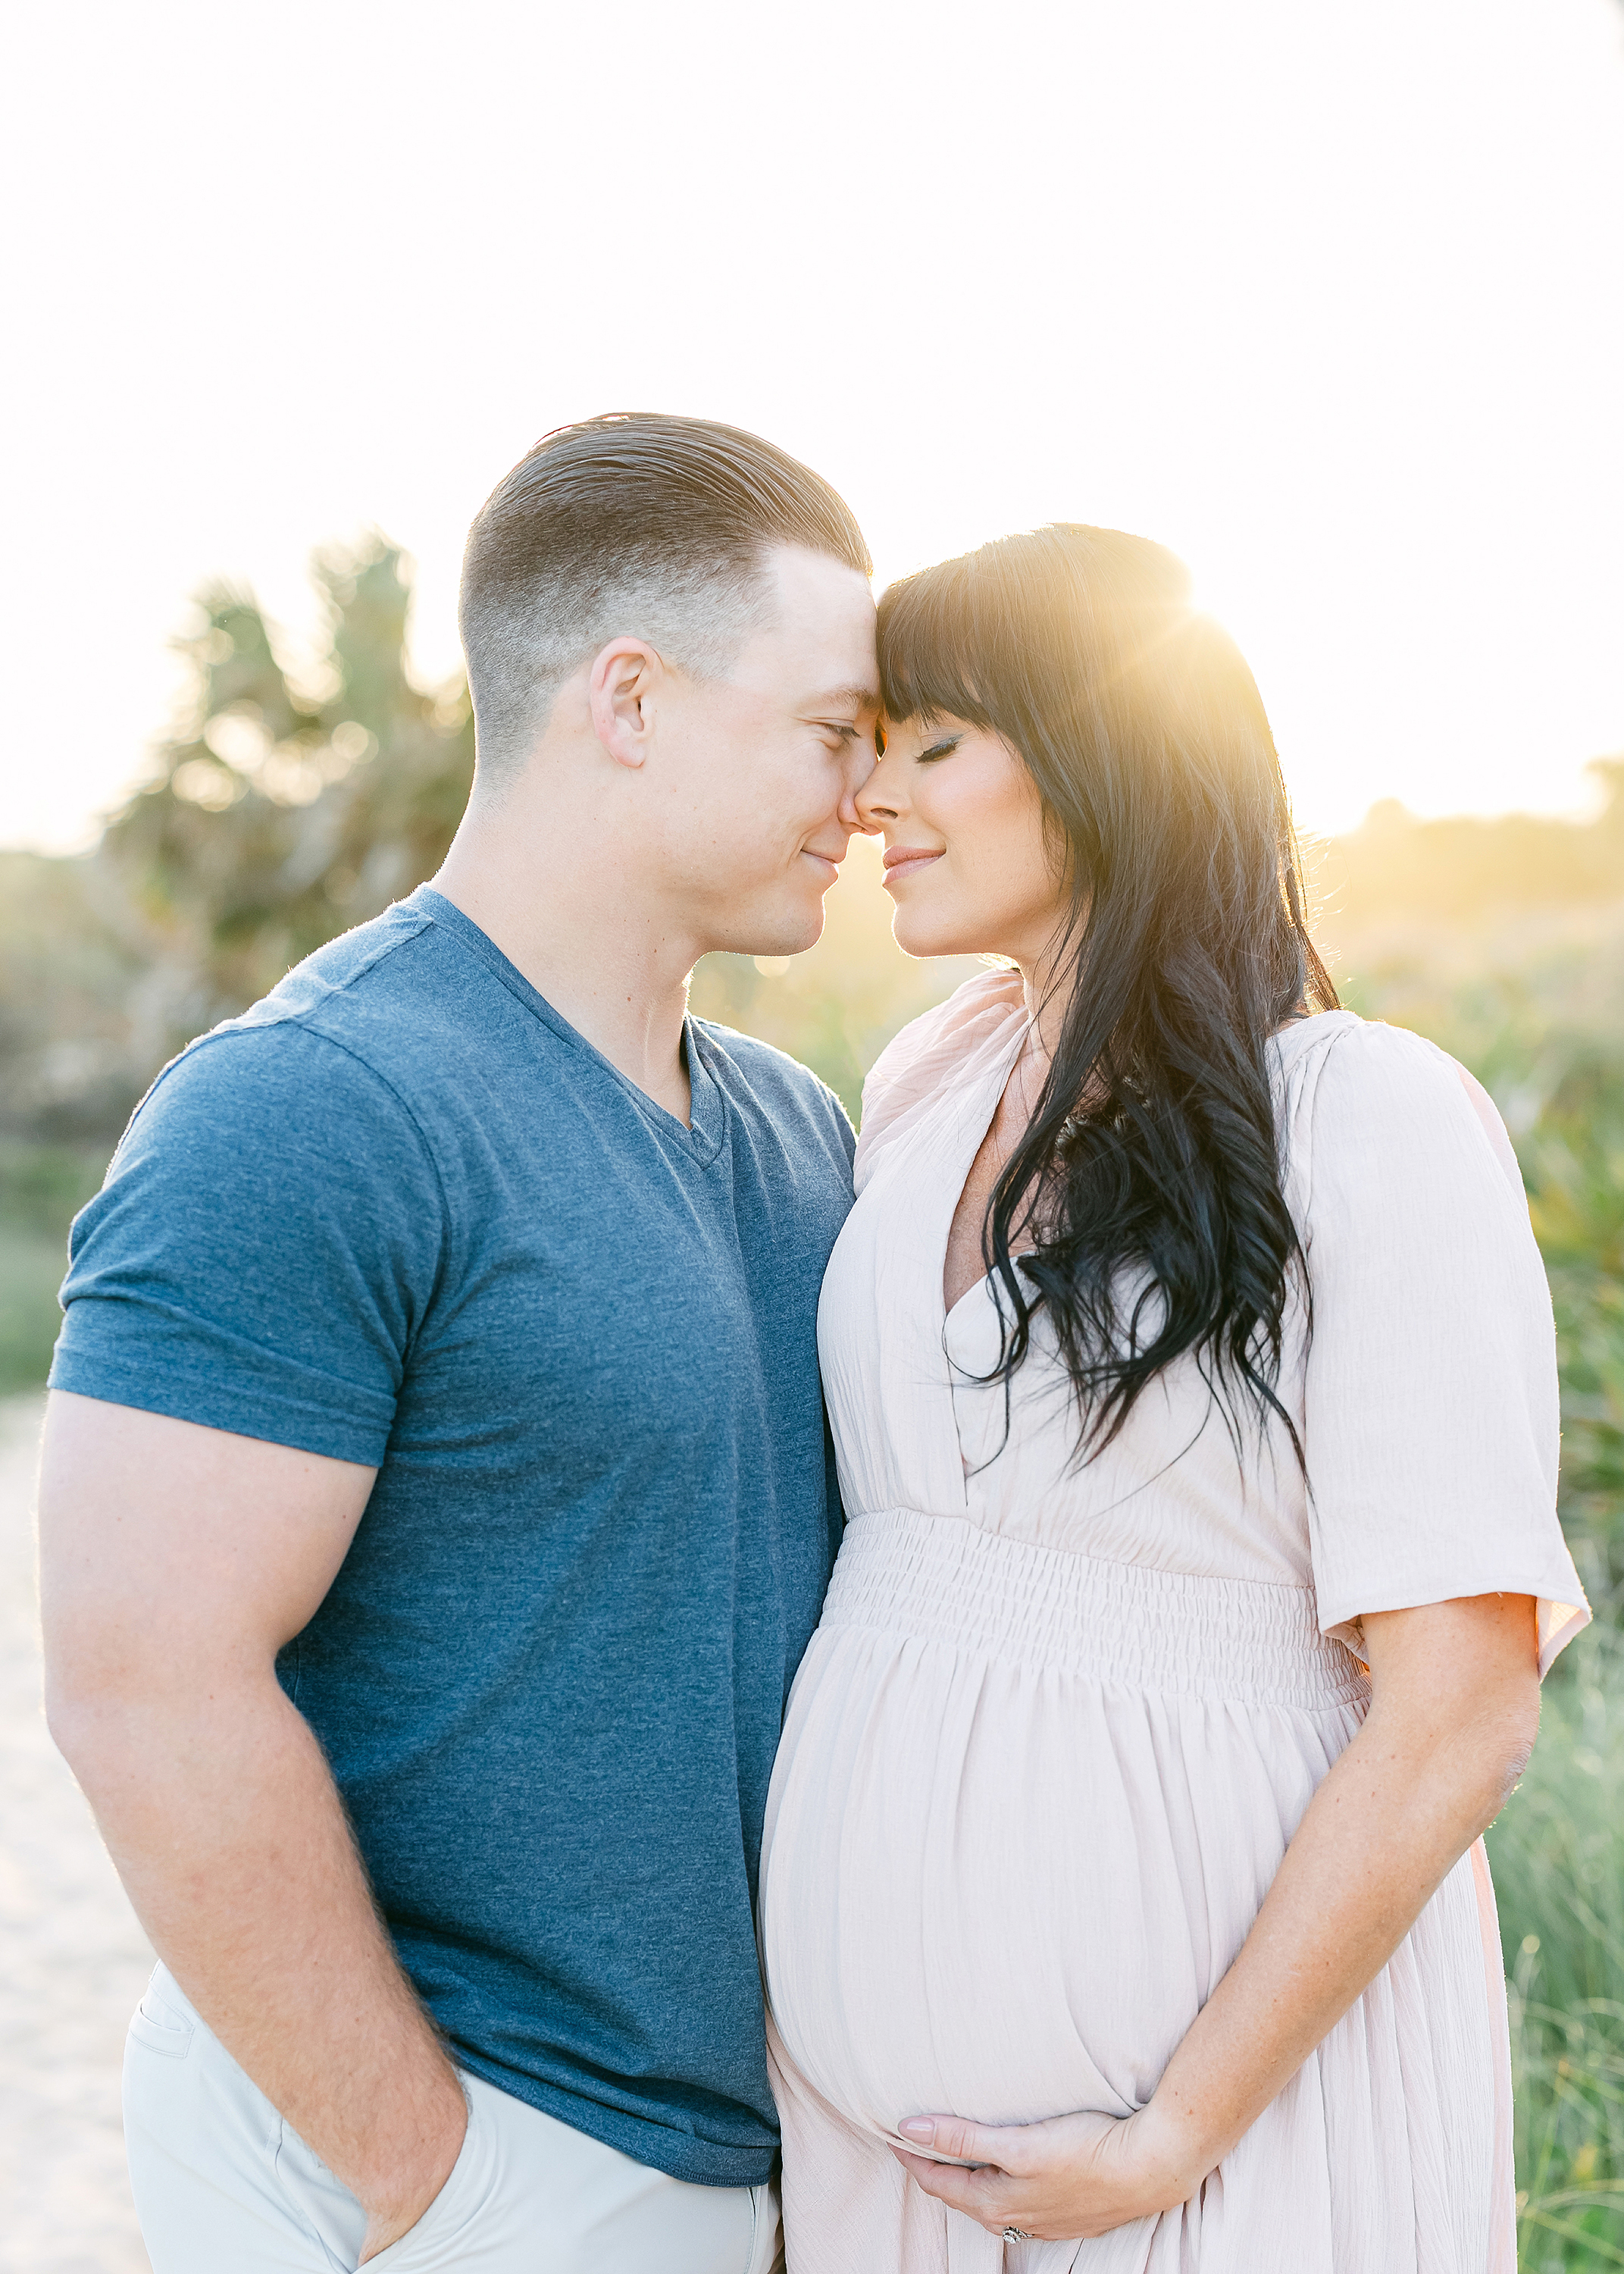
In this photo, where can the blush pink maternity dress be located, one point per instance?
(1057, 1726)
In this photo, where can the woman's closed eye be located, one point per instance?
(943, 749)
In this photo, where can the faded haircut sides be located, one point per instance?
(633, 524)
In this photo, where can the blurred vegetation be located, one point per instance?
(279, 811)
(284, 808)
(1504, 941)
(279, 815)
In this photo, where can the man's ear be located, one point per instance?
(623, 676)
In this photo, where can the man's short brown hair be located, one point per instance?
(631, 524)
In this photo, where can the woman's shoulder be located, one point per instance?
(934, 1049)
(1356, 1086)
(947, 1032)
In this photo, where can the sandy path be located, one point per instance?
(74, 1959)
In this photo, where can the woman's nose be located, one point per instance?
(878, 803)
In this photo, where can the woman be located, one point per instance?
(1190, 1363)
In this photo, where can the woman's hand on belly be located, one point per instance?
(1068, 2177)
(1454, 1705)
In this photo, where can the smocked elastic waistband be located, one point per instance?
(942, 1578)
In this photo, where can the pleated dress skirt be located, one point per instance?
(1026, 1808)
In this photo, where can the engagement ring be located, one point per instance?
(1015, 2234)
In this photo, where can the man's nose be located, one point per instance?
(879, 801)
(857, 781)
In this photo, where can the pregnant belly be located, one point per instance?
(1004, 1867)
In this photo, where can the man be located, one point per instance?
(435, 1500)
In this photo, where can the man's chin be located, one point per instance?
(778, 933)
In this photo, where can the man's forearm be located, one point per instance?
(221, 1815)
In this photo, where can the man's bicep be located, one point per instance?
(168, 1550)
(263, 1253)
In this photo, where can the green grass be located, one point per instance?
(31, 1268)
(1568, 2071)
(1540, 1021)
(42, 1187)
(1558, 1856)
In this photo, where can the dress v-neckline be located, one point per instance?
(946, 1311)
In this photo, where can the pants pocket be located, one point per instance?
(436, 2240)
(161, 2028)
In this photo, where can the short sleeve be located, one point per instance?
(1432, 1418)
(262, 1250)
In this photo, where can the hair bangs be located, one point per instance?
(930, 625)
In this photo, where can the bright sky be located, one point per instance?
(1327, 299)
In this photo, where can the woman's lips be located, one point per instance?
(906, 861)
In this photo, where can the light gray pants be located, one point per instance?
(225, 2186)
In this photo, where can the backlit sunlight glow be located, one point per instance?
(1328, 300)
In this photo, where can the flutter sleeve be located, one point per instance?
(1432, 1429)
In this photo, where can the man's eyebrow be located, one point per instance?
(845, 698)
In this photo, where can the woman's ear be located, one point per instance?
(623, 678)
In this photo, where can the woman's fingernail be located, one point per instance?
(918, 2128)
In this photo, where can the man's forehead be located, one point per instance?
(822, 593)
(820, 635)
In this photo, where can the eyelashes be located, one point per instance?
(944, 749)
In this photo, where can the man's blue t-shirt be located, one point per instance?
(403, 1214)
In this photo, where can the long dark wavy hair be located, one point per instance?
(1149, 1176)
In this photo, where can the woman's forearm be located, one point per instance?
(1456, 1710)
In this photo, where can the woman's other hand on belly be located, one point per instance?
(1065, 2178)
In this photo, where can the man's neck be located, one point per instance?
(608, 961)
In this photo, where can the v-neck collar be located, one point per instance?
(1001, 1068)
(701, 1137)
